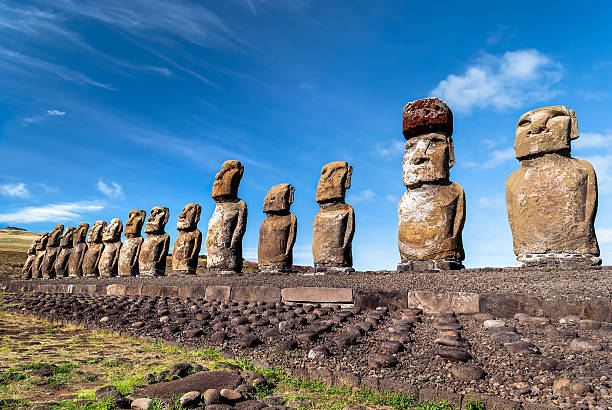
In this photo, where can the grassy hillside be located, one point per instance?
(16, 240)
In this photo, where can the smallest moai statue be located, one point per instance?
(79, 248)
(53, 249)
(41, 249)
(95, 246)
(130, 251)
(278, 231)
(154, 250)
(109, 260)
(189, 242)
(26, 271)
(61, 262)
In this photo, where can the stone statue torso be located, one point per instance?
(48, 262)
(329, 233)
(185, 254)
(75, 261)
(152, 259)
(61, 262)
(91, 259)
(109, 259)
(274, 236)
(222, 226)
(128, 256)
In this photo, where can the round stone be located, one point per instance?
(545, 363)
(522, 347)
(605, 332)
(382, 360)
(467, 372)
(587, 324)
(319, 353)
(391, 346)
(190, 399)
(211, 396)
(504, 337)
(230, 394)
(452, 341)
(570, 387)
(454, 354)
(585, 344)
(344, 340)
(493, 323)
(287, 345)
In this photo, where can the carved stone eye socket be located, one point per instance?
(523, 122)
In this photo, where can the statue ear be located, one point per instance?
(451, 152)
(198, 209)
(166, 215)
(574, 125)
(349, 174)
(291, 191)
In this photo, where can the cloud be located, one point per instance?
(51, 213)
(14, 190)
(47, 188)
(392, 198)
(56, 113)
(290, 5)
(604, 235)
(486, 202)
(506, 81)
(592, 140)
(392, 149)
(114, 190)
(496, 158)
(366, 195)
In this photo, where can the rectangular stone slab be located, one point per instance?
(433, 303)
(256, 294)
(221, 293)
(317, 295)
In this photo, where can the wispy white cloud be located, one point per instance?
(51, 213)
(255, 6)
(37, 118)
(366, 195)
(18, 190)
(391, 149)
(487, 202)
(392, 198)
(499, 82)
(47, 188)
(496, 158)
(589, 140)
(112, 190)
(56, 113)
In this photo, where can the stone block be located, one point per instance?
(85, 289)
(432, 302)
(256, 294)
(186, 292)
(133, 290)
(508, 304)
(115, 289)
(317, 295)
(164, 291)
(372, 299)
(221, 293)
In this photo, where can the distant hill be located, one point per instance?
(16, 239)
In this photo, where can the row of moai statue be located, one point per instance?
(551, 202)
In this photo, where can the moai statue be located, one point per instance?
(53, 248)
(189, 242)
(227, 225)
(26, 271)
(432, 210)
(61, 262)
(334, 224)
(552, 197)
(109, 260)
(79, 248)
(95, 246)
(277, 232)
(41, 249)
(130, 251)
(154, 250)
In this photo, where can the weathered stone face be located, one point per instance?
(109, 260)
(55, 236)
(67, 236)
(545, 130)
(226, 228)
(154, 249)
(61, 262)
(133, 226)
(48, 263)
(41, 249)
(432, 210)
(334, 181)
(227, 180)
(278, 231)
(26, 271)
(41, 245)
(189, 242)
(552, 198)
(95, 246)
(79, 248)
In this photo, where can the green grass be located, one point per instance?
(62, 374)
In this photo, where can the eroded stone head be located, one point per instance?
(55, 235)
(32, 248)
(80, 234)
(227, 180)
(157, 219)
(335, 180)
(112, 233)
(66, 240)
(545, 130)
(96, 231)
(41, 244)
(133, 226)
(426, 116)
(279, 198)
(189, 218)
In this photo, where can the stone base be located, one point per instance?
(150, 273)
(431, 265)
(182, 273)
(324, 269)
(221, 271)
(533, 260)
(273, 269)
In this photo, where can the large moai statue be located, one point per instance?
(79, 248)
(61, 262)
(109, 260)
(432, 210)
(26, 271)
(41, 249)
(130, 251)
(227, 225)
(189, 242)
(552, 197)
(334, 224)
(154, 250)
(95, 246)
(53, 248)
(278, 231)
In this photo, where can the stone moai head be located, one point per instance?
(429, 154)
(66, 241)
(112, 233)
(95, 233)
(55, 235)
(545, 130)
(41, 244)
(189, 218)
(279, 199)
(157, 220)
(133, 226)
(32, 248)
(335, 180)
(80, 234)
(227, 180)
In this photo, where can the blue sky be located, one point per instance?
(114, 105)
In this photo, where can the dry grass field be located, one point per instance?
(16, 240)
